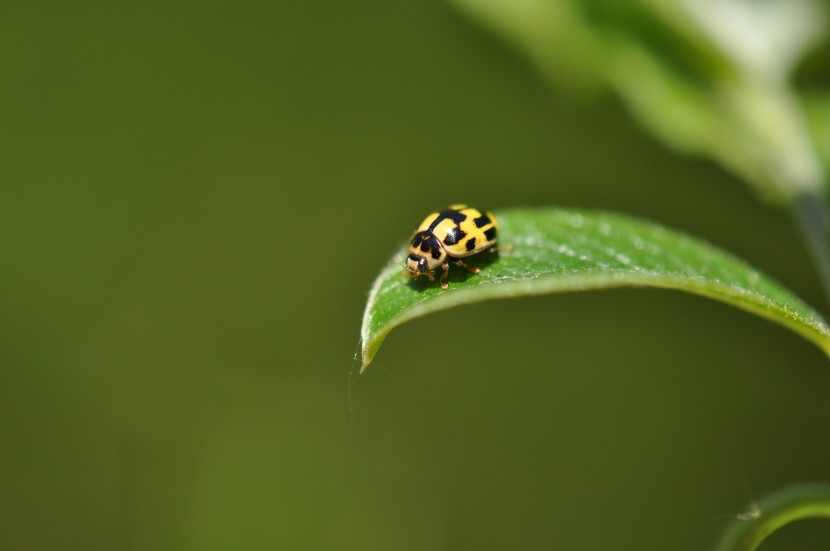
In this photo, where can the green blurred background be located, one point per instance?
(195, 199)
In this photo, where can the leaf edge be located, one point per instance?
(507, 288)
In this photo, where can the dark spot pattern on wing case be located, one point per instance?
(471, 244)
(453, 215)
(482, 221)
(435, 247)
(490, 234)
(454, 235)
(428, 243)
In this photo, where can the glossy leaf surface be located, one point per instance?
(558, 250)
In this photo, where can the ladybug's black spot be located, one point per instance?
(454, 235)
(453, 215)
(482, 221)
(436, 249)
(428, 243)
(490, 234)
(471, 244)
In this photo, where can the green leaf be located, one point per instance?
(557, 250)
(709, 77)
(774, 511)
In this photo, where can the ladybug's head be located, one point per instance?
(425, 254)
(416, 264)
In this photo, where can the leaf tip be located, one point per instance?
(366, 356)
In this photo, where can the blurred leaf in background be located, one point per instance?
(709, 76)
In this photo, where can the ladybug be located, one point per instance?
(448, 236)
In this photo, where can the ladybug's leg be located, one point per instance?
(472, 269)
(446, 267)
(416, 275)
(503, 248)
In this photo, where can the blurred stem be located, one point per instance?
(811, 214)
(775, 511)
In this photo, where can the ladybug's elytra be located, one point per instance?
(448, 236)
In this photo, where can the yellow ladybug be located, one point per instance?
(448, 236)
